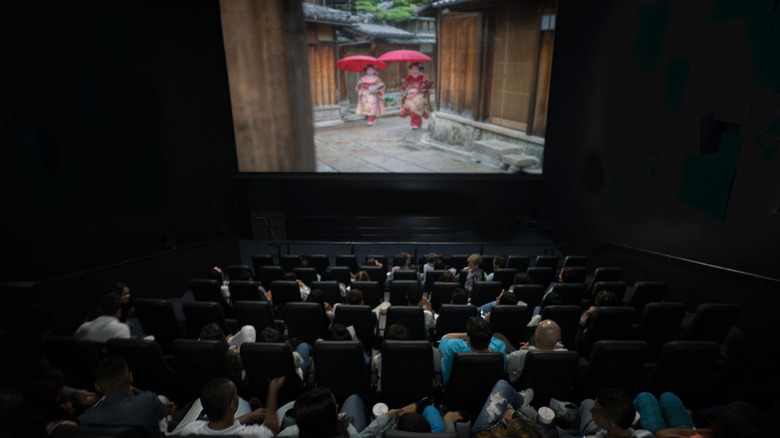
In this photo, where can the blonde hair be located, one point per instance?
(474, 259)
(518, 428)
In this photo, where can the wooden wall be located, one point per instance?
(265, 50)
(322, 75)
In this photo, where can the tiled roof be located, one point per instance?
(381, 30)
(321, 13)
(442, 3)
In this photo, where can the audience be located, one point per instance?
(122, 404)
(107, 325)
(547, 337)
(473, 273)
(478, 338)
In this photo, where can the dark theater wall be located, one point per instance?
(116, 132)
(663, 129)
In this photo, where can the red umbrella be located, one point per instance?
(405, 56)
(358, 63)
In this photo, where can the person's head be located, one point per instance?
(431, 258)
(316, 296)
(474, 261)
(270, 334)
(606, 298)
(44, 395)
(508, 298)
(338, 332)
(219, 398)
(122, 289)
(243, 274)
(567, 274)
(370, 69)
(213, 332)
(547, 334)
(371, 261)
(316, 414)
(415, 67)
(289, 276)
(479, 332)
(362, 276)
(499, 262)
(215, 273)
(397, 332)
(403, 258)
(413, 422)
(354, 296)
(613, 409)
(446, 276)
(521, 278)
(112, 376)
(738, 421)
(414, 295)
(459, 296)
(520, 427)
(110, 304)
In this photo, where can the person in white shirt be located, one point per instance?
(107, 325)
(219, 398)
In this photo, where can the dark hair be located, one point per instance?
(413, 422)
(44, 395)
(738, 421)
(112, 374)
(618, 406)
(508, 298)
(431, 257)
(216, 397)
(338, 332)
(402, 258)
(446, 276)
(567, 274)
(418, 64)
(243, 274)
(316, 296)
(606, 298)
(215, 274)
(499, 261)
(414, 294)
(354, 296)
(459, 296)
(369, 65)
(213, 332)
(397, 332)
(480, 333)
(362, 275)
(521, 278)
(316, 415)
(270, 334)
(110, 303)
(118, 287)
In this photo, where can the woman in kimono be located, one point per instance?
(370, 90)
(416, 88)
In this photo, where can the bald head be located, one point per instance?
(548, 333)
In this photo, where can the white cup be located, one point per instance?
(379, 409)
(546, 415)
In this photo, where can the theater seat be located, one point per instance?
(151, 369)
(550, 374)
(77, 358)
(266, 360)
(471, 378)
(612, 364)
(407, 372)
(340, 366)
(158, 318)
(453, 318)
(66, 431)
(683, 368)
(198, 362)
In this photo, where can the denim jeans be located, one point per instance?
(304, 350)
(501, 396)
(665, 412)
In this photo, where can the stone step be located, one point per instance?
(491, 151)
(518, 162)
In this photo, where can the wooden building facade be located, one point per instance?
(494, 61)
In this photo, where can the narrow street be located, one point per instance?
(390, 146)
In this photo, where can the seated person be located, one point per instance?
(478, 338)
(429, 421)
(505, 414)
(317, 415)
(107, 325)
(499, 262)
(474, 273)
(301, 350)
(547, 337)
(611, 414)
(122, 404)
(395, 332)
(459, 296)
(415, 298)
(219, 399)
(404, 260)
(504, 298)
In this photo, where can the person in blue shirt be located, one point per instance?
(478, 338)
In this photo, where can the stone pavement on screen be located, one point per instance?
(390, 146)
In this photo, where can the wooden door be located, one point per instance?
(514, 66)
(460, 43)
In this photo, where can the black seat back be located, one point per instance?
(453, 318)
(407, 372)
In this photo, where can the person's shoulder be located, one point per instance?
(497, 345)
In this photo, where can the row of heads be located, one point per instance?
(419, 65)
